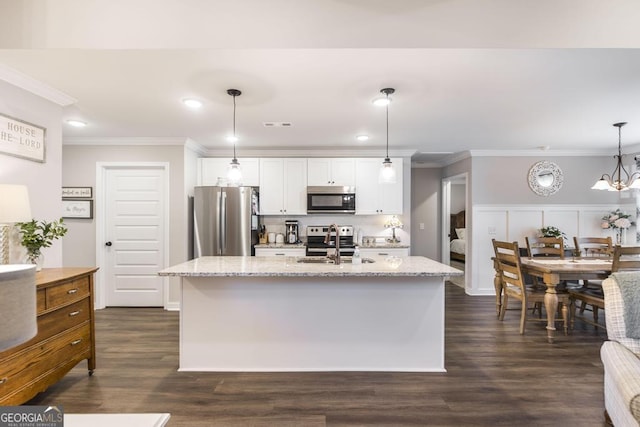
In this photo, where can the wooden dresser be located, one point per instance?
(65, 336)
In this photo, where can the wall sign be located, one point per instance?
(77, 209)
(76, 192)
(21, 139)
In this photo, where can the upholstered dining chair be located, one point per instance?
(509, 273)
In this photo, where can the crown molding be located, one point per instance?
(539, 153)
(119, 141)
(311, 152)
(18, 79)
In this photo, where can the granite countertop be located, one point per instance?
(229, 266)
(281, 245)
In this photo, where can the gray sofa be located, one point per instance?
(620, 357)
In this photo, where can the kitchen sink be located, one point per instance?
(313, 260)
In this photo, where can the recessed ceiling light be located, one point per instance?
(232, 138)
(192, 103)
(76, 123)
(362, 137)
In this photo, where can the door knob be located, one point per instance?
(108, 244)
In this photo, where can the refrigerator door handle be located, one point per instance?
(223, 223)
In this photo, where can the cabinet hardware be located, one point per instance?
(3, 380)
(72, 291)
(76, 342)
(74, 313)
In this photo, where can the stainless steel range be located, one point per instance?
(316, 236)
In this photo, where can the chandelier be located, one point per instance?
(620, 179)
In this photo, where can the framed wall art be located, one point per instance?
(77, 192)
(21, 139)
(82, 209)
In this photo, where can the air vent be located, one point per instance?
(277, 124)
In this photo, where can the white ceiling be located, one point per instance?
(469, 74)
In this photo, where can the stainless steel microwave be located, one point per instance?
(331, 199)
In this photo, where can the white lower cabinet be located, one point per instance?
(280, 251)
(283, 186)
(373, 198)
(399, 252)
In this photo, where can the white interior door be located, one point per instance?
(134, 230)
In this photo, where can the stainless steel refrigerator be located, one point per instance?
(225, 221)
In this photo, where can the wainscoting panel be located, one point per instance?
(513, 223)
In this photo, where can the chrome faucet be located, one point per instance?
(327, 241)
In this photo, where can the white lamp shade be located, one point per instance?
(14, 204)
(387, 173)
(18, 315)
(601, 184)
(234, 174)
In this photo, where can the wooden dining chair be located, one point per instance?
(590, 294)
(509, 273)
(600, 247)
(545, 246)
(625, 258)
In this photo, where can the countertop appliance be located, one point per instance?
(316, 235)
(225, 221)
(331, 199)
(291, 231)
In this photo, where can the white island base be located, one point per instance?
(373, 323)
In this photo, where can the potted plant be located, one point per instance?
(551, 231)
(35, 235)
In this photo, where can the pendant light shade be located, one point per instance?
(619, 180)
(234, 174)
(387, 171)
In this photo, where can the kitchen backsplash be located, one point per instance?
(364, 225)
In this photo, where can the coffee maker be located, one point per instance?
(291, 231)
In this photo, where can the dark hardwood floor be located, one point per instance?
(494, 377)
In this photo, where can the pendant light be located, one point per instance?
(387, 171)
(234, 174)
(615, 181)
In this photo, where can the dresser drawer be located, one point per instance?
(64, 318)
(26, 366)
(66, 292)
(41, 300)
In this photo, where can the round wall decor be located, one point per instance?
(545, 178)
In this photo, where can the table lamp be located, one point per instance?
(18, 314)
(393, 223)
(14, 207)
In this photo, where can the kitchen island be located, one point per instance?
(279, 314)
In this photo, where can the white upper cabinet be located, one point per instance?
(213, 171)
(336, 171)
(373, 198)
(283, 186)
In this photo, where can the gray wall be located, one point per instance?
(503, 180)
(425, 208)
(79, 169)
(42, 179)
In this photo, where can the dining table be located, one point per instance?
(554, 271)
